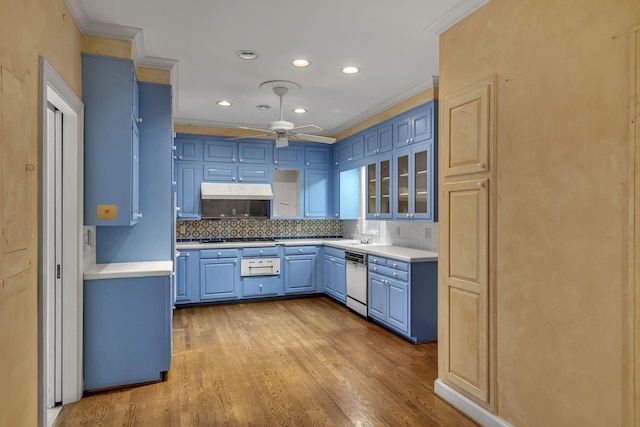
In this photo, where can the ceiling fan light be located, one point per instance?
(263, 107)
(300, 62)
(224, 103)
(281, 141)
(247, 54)
(350, 70)
(300, 110)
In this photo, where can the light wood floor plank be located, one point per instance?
(298, 362)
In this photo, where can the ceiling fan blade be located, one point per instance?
(314, 138)
(306, 128)
(250, 136)
(258, 129)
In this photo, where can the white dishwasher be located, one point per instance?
(356, 281)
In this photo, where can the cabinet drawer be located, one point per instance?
(398, 265)
(269, 251)
(300, 250)
(390, 272)
(219, 253)
(373, 259)
(261, 286)
(334, 252)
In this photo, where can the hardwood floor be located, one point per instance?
(292, 362)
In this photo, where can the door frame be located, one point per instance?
(54, 90)
(631, 314)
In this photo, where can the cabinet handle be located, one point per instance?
(287, 258)
(480, 185)
(260, 287)
(261, 254)
(307, 163)
(480, 165)
(233, 160)
(235, 262)
(139, 120)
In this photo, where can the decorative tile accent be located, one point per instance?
(282, 229)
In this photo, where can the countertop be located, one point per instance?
(391, 251)
(128, 269)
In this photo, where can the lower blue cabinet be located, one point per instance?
(335, 274)
(265, 286)
(127, 330)
(187, 276)
(219, 278)
(404, 297)
(300, 269)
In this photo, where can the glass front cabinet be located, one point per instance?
(414, 178)
(378, 176)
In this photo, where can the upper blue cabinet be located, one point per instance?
(111, 142)
(352, 151)
(189, 149)
(378, 139)
(414, 126)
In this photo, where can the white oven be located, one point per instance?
(259, 267)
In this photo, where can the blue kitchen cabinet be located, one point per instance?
(379, 139)
(414, 195)
(403, 297)
(255, 151)
(352, 150)
(316, 193)
(188, 149)
(335, 193)
(219, 274)
(127, 331)
(335, 154)
(349, 194)
(378, 187)
(230, 172)
(317, 156)
(415, 126)
(261, 286)
(335, 274)
(300, 269)
(289, 156)
(188, 184)
(188, 277)
(110, 96)
(219, 150)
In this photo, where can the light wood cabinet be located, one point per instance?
(467, 181)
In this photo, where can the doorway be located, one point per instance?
(60, 243)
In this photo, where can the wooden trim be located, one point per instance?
(153, 75)
(631, 328)
(107, 46)
(217, 131)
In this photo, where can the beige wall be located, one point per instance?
(562, 201)
(29, 29)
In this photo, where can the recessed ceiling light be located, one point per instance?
(300, 62)
(263, 107)
(224, 103)
(300, 110)
(247, 54)
(350, 70)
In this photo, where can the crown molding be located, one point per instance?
(455, 14)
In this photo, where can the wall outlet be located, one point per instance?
(397, 231)
(427, 233)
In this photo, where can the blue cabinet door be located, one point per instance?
(415, 187)
(377, 297)
(335, 193)
(220, 172)
(371, 142)
(402, 130)
(328, 270)
(398, 304)
(189, 178)
(299, 273)
(317, 156)
(135, 173)
(189, 149)
(219, 279)
(289, 156)
(340, 280)
(254, 173)
(422, 121)
(316, 193)
(254, 152)
(188, 277)
(220, 151)
(108, 89)
(385, 137)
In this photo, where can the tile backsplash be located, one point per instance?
(280, 228)
(410, 234)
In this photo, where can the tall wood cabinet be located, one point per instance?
(467, 177)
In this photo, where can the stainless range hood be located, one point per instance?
(234, 200)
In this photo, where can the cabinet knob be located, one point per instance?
(240, 160)
(260, 251)
(233, 160)
(307, 163)
(139, 120)
(188, 254)
(411, 215)
(411, 140)
(174, 148)
(233, 178)
(179, 157)
(139, 214)
(239, 179)
(235, 262)
(395, 265)
(299, 250)
(480, 185)
(480, 165)
(395, 274)
(219, 253)
(260, 287)
(275, 161)
(408, 216)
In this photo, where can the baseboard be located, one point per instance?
(469, 407)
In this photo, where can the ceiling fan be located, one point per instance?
(282, 129)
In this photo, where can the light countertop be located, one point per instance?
(391, 251)
(128, 269)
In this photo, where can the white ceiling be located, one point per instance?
(395, 43)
